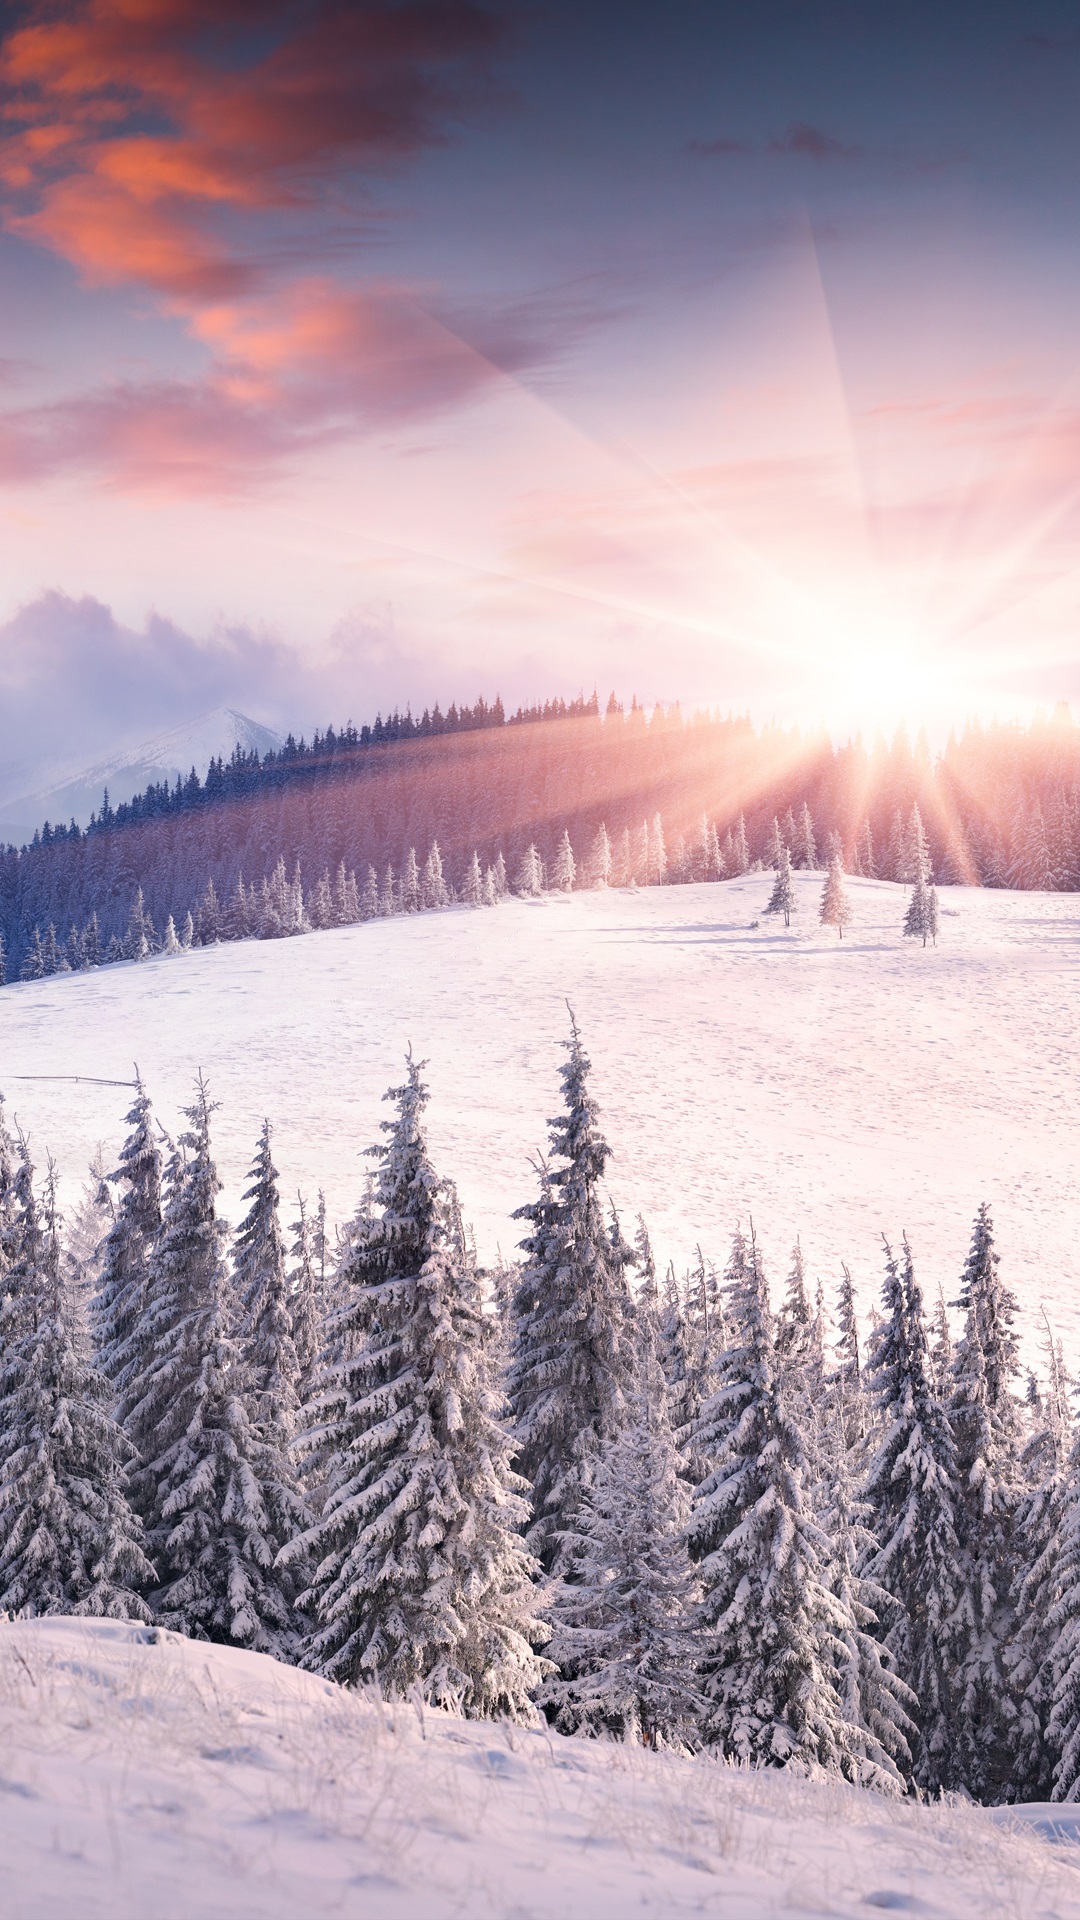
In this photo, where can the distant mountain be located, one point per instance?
(129, 771)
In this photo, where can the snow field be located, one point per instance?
(147, 1774)
(831, 1089)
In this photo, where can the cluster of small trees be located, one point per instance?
(671, 1512)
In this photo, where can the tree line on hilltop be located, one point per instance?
(999, 807)
(282, 907)
(677, 1512)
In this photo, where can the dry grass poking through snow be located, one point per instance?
(152, 1776)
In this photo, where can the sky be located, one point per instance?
(354, 355)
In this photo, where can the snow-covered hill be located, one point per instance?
(146, 1774)
(831, 1090)
(78, 794)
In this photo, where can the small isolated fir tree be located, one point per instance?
(920, 918)
(782, 897)
(835, 909)
(207, 1522)
(69, 1542)
(572, 1331)
(421, 1577)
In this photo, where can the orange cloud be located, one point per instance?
(135, 123)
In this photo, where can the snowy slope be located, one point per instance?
(149, 1775)
(78, 794)
(832, 1090)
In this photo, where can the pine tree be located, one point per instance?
(117, 1312)
(421, 1577)
(835, 909)
(658, 860)
(876, 1704)
(805, 843)
(564, 867)
(767, 1624)
(69, 1542)
(433, 889)
(782, 897)
(530, 879)
(270, 1363)
(170, 944)
(773, 844)
(198, 1484)
(911, 1492)
(33, 966)
(919, 917)
(621, 1618)
(985, 1423)
(472, 890)
(1046, 1463)
(572, 1338)
(598, 866)
(864, 852)
(411, 884)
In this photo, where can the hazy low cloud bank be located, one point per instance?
(75, 684)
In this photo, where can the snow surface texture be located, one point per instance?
(826, 1088)
(77, 793)
(147, 1774)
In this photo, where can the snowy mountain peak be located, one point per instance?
(127, 771)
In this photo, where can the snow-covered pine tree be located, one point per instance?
(621, 1619)
(805, 843)
(835, 910)
(598, 866)
(771, 855)
(985, 1420)
(421, 1578)
(782, 897)
(740, 851)
(917, 920)
(530, 878)
(767, 1624)
(1039, 1531)
(933, 920)
(411, 885)
(704, 1339)
(69, 1542)
(564, 866)
(658, 860)
(864, 852)
(433, 888)
(472, 887)
(876, 1704)
(572, 1331)
(911, 1490)
(117, 1313)
(271, 1369)
(198, 1483)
